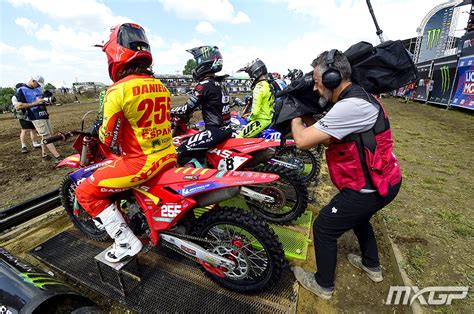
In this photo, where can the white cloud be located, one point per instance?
(6, 49)
(237, 56)
(351, 20)
(174, 55)
(85, 14)
(156, 42)
(65, 38)
(205, 28)
(27, 25)
(209, 10)
(66, 52)
(240, 18)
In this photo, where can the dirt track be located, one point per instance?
(431, 220)
(23, 176)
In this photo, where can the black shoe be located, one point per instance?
(58, 158)
(47, 158)
(24, 150)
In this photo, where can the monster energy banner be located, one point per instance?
(444, 71)
(435, 36)
(424, 81)
(463, 95)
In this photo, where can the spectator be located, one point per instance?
(26, 125)
(30, 97)
(361, 165)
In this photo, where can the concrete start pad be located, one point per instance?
(167, 281)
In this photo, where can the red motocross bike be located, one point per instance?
(289, 192)
(234, 248)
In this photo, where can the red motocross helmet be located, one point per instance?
(127, 43)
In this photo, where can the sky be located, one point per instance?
(54, 38)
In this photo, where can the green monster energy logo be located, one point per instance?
(433, 38)
(39, 280)
(205, 51)
(445, 79)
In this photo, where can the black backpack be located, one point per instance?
(296, 100)
(382, 68)
(379, 69)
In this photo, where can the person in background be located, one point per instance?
(26, 125)
(361, 165)
(30, 98)
(263, 97)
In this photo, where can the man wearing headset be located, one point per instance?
(361, 165)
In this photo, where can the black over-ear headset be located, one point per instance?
(331, 78)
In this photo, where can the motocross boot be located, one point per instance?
(126, 244)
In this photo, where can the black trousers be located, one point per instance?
(347, 210)
(197, 145)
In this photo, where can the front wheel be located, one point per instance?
(289, 192)
(79, 217)
(248, 241)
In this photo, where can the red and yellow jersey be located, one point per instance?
(137, 116)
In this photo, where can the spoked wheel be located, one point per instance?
(307, 162)
(248, 242)
(79, 217)
(289, 193)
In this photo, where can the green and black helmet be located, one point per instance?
(208, 60)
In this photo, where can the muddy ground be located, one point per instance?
(431, 220)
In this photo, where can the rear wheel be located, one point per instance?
(246, 240)
(289, 192)
(308, 162)
(79, 217)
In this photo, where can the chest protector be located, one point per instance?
(365, 160)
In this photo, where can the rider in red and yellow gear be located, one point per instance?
(137, 120)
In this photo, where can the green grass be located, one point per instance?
(418, 260)
(435, 202)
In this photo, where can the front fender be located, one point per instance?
(72, 161)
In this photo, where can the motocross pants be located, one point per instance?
(254, 128)
(120, 175)
(199, 144)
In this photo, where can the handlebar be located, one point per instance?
(63, 136)
(237, 102)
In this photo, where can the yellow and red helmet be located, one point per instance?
(127, 43)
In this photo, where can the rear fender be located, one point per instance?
(227, 159)
(248, 145)
(81, 174)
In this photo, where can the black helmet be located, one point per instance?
(255, 69)
(208, 60)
